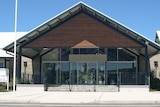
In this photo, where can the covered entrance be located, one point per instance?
(107, 67)
(88, 73)
(74, 73)
(76, 76)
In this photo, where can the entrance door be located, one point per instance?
(87, 73)
(92, 69)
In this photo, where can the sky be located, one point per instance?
(142, 16)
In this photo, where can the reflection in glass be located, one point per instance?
(112, 73)
(127, 73)
(88, 50)
(120, 54)
(124, 55)
(101, 73)
(51, 73)
(112, 55)
(56, 73)
(73, 73)
(52, 55)
(64, 73)
(65, 54)
(82, 73)
(91, 75)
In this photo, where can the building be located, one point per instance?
(84, 49)
(155, 60)
(6, 58)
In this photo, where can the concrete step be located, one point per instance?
(84, 88)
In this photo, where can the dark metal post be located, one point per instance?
(147, 75)
(19, 65)
(70, 76)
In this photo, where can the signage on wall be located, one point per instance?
(4, 76)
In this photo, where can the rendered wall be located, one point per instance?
(155, 69)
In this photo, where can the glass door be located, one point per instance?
(82, 73)
(87, 73)
(92, 71)
(101, 73)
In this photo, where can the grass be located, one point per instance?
(3, 89)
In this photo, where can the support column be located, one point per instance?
(19, 60)
(41, 71)
(147, 71)
(5, 62)
(106, 74)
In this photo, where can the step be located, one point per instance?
(84, 88)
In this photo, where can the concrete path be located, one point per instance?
(80, 97)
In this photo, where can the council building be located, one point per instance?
(82, 49)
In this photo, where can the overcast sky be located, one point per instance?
(143, 16)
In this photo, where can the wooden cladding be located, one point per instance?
(80, 28)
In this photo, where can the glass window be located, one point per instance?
(75, 50)
(101, 73)
(52, 55)
(65, 73)
(51, 73)
(112, 73)
(127, 67)
(101, 50)
(1, 65)
(56, 73)
(88, 50)
(65, 54)
(82, 73)
(83, 51)
(124, 55)
(112, 55)
(73, 73)
(127, 73)
(92, 73)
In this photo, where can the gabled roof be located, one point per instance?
(3, 54)
(153, 48)
(8, 38)
(157, 40)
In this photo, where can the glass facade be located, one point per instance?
(1, 64)
(120, 67)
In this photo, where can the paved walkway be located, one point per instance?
(80, 97)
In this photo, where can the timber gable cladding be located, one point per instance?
(83, 27)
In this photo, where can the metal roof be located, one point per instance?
(153, 47)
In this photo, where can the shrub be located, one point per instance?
(154, 82)
(3, 88)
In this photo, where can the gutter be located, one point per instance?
(9, 53)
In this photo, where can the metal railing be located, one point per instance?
(30, 78)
